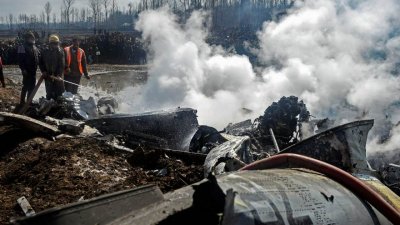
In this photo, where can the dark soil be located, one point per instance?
(55, 173)
(9, 96)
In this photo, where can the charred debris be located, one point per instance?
(71, 150)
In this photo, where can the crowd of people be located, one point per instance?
(110, 48)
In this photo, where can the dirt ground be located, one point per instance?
(54, 173)
(13, 70)
(9, 96)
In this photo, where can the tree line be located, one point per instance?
(111, 15)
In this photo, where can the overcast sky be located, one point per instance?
(36, 6)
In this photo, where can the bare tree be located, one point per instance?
(67, 6)
(47, 10)
(105, 4)
(76, 15)
(42, 18)
(73, 15)
(130, 6)
(54, 19)
(113, 7)
(83, 15)
(10, 20)
(95, 7)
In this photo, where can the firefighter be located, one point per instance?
(1, 74)
(52, 66)
(28, 60)
(75, 60)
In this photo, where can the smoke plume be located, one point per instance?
(341, 57)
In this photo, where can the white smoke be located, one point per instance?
(339, 56)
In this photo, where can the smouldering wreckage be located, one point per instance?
(321, 179)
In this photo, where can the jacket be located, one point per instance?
(28, 58)
(52, 61)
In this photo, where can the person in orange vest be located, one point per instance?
(75, 66)
(1, 74)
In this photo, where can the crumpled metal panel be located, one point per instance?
(342, 146)
(86, 109)
(176, 126)
(229, 156)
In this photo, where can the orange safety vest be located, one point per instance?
(80, 54)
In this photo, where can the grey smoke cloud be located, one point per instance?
(338, 56)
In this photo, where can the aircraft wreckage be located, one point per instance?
(322, 179)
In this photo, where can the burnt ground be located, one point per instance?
(54, 173)
(9, 96)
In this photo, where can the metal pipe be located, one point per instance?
(60, 79)
(274, 140)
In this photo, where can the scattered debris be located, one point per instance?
(239, 128)
(86, 109)
(107, 105)
(25, 206)
(229, 156)
(205, 139)
(284, 118)
(391, 177)
(387, 165)
(71, 126)
(27, 123)
(98, 152)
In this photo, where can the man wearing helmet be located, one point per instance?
(52, 66)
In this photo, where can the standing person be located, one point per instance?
(52, 66)
(76, 66)
(3, 83)
(28, 60)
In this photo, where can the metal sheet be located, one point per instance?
(175, 126)
(343, 146)
(28, 123)
(100, 210)
(229, 156)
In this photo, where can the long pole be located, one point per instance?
(30, 98)
(60, 79)
(274, 140)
